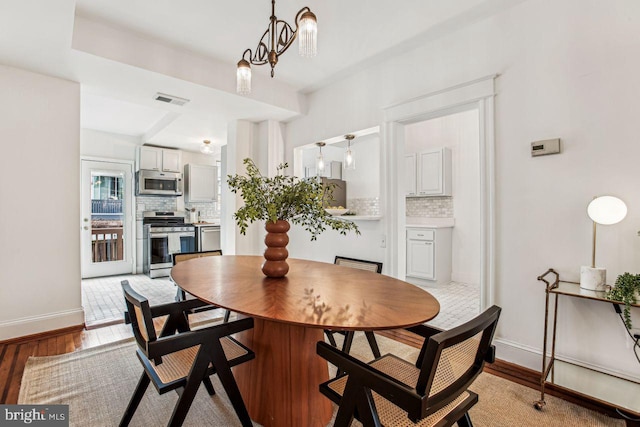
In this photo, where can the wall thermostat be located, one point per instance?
(544, 147)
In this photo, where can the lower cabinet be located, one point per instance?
(429, 254)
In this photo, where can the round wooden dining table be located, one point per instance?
(280, 386)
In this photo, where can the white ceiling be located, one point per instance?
(124, 51)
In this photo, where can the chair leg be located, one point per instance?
(209, 386)
(367, 409)
(348, 340)
(227, 313)
(330, 337)
(347, 408)
(135, 400)
(230, 386)
(465, 421)
(196, 375)
(373, 343)
(180, 295)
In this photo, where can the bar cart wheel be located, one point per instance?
(539, 404)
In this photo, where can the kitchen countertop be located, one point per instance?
(419, 222)
(206, 223)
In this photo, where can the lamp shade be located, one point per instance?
(607, 210)
(308, 35)
(243, 77)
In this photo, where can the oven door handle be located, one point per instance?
(165, 235)
(158, 235)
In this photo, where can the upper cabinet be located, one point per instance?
(200, 183)
(159, 159)
(410, 175)
(428, 173)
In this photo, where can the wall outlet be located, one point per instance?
(383, 241)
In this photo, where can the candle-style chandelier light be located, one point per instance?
(275, 41)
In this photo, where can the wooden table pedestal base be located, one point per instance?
(280, 386)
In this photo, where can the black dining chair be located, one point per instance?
(375, 267)
(180, 359)
(181, 295)
(390, 391)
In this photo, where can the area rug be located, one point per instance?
(97, 383)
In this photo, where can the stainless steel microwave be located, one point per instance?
(154, 183)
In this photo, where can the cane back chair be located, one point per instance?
(181, 295)
(390, 391)
(180, 359)
(375, 267)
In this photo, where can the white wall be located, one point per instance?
(567, 70)
(40, 226)
(460, 133)
(94, 143)
(364, 180)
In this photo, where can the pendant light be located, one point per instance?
(275, 41)
(206, 147)
(349, 160)
(320, 164)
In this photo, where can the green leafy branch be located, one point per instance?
(284, 197)
(625, 290)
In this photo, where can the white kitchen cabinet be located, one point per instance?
(200, 183)
(159, 159)
(410, 175)
(428, 173)
(171, 160)
(429, 254)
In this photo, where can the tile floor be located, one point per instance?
(103, 302)
(459, 302)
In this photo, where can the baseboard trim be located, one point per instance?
(524, 376)
(34, 325)
(43, 335)
(530, 378)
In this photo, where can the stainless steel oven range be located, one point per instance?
(165, 233)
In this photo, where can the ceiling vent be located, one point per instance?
(170, 99)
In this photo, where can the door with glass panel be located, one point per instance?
(106, 237)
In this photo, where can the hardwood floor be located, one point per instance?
(14, 355)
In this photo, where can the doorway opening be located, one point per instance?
(107, 237)
(478, 96)
(458, 288)
(107, 208)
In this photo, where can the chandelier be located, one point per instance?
(275, 41)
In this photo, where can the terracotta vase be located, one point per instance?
(275, 264)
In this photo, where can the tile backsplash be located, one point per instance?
(207, 210)
(430, 207)
(365, 206)
(155, 203)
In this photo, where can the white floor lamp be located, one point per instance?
(605, 210)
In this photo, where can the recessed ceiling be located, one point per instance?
(123, 52)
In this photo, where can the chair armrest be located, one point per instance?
(170, 308)
(424, 331)
(388, 387)
(176, 307)
(173, 343)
